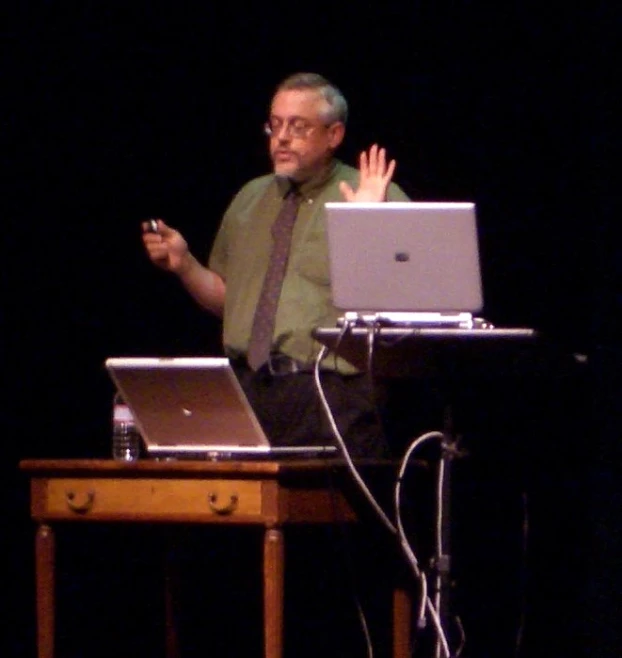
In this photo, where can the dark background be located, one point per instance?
(111, 114)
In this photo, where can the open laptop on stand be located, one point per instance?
(404, 269)
(405, 262)
(194, 407)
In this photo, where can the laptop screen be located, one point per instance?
(413, 257)
(186, 404)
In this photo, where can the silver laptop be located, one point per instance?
(194, 407)
(405, 261)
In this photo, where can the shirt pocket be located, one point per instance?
(312, 259)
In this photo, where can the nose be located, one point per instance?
(283, 134)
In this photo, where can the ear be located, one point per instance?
(336, 133)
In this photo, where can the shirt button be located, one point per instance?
(309, 201)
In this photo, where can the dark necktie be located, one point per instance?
(265, 313)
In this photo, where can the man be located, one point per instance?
(306, 126)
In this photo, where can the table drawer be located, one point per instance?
(160, 499)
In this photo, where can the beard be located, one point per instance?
(285, 163)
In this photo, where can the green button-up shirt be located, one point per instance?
(241, 252)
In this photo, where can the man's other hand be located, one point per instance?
(375, 176)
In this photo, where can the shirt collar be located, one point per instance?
(306, 189)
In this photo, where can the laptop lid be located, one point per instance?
(193, 406)
(408, 257)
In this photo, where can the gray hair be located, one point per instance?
(338, 106)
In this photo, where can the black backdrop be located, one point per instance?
(112, 114)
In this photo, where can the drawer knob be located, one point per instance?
(219, 506)
(80, 504)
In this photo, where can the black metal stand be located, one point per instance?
(451, 358)
(442, 558)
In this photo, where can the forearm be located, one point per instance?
(205, 286)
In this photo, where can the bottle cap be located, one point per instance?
(122, 414)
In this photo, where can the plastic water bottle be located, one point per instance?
(125, 437)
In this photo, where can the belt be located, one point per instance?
(277, 365)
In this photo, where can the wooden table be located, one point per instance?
(272, 494)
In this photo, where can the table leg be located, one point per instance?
(44, 582)
(402, 620)
(171, 600)
(273, 570)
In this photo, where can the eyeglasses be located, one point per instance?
(299, 128)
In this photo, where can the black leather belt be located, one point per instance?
(277, 365)
(281, 364)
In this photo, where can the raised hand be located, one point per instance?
(375, 176)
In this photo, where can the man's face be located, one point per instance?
(301, 142)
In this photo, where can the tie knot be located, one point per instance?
(293, 192)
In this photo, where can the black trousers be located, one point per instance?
(289, 409)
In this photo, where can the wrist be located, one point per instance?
(185, 266)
